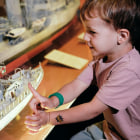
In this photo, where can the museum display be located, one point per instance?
(40, 20)
(14, 92)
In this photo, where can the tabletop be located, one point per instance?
(55, 76)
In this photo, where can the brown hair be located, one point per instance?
(119, 13)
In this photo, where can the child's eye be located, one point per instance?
(92, 32)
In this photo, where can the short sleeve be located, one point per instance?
(120, 90)
(87, 75)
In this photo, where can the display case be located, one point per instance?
(30, 26)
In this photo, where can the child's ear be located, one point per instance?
(123, 36)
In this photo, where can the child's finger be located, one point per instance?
(34, 92)
(33, 129)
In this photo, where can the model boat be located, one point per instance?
(14, 93)
(39, 24)
(14, 33)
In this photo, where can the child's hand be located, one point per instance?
(39, 102)
(36, 121)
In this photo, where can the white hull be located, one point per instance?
(17, 95)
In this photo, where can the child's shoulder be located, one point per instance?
(133, 61)
(129, 62)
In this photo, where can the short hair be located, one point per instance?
(119, 13)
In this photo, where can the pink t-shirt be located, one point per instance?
(119, 88)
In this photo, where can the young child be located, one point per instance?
(112, 32)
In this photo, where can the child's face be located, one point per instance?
(101, 37)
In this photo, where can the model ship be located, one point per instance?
(15, 35)
(31, 22)
(14, 93)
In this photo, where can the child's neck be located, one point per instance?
(119, 53)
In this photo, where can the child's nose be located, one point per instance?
(86, 37)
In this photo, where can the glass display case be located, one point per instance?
(30, 22)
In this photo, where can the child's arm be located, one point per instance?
(69, 92)
(78, 113)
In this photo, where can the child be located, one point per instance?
(112, 32)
